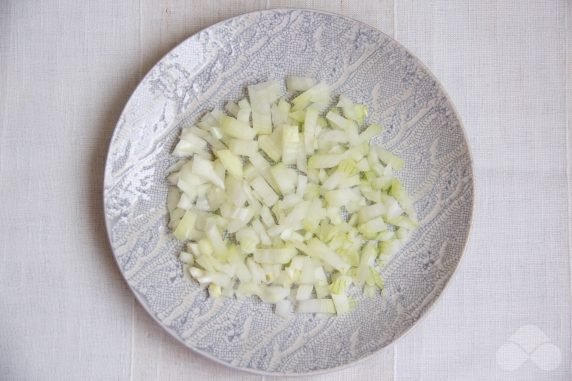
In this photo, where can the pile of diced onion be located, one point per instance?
(288, 200)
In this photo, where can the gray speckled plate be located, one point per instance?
(214, 66)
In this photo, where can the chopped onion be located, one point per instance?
(316, 306)
(231, 163)
(290, 142)
(243, 147)
(283, 308)
(294, 83)
(288, 201)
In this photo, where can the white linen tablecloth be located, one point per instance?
(68, 67)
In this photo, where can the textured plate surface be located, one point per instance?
(214, 66)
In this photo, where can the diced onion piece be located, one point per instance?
(205, 169)
(189, 144)
(273, 294)
(262, 234)
(214, 290)
(341, 284)
(186, 201)
(235, 192)
(237, 128)
(319, 161)
(366, 261)
(340, 122)
(286, 178)
(186, 258)
(273, 256)
(208, 137)
(290, 142)
(255, 270)
(269, 147)
(301, 185)
(264, 191)
(388, 158)
(243, 147)
(316, 306)
(173, 196)
(370, 229)
(297, 116)
(316, 94)
(341, 197)
(232, 108)
(186, 226)
(243, 111)
(370, 132)
(295, 83)
(371, 211)
(231, 163)
(318, 249)
(401, 196)
(280, 112)
(301, 159)
(342, 303)
(310, 130)
(304, 292)
(261, 96)
(248, 240)
(356, 112)
(283, 308)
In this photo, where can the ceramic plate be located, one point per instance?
(214, 66)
